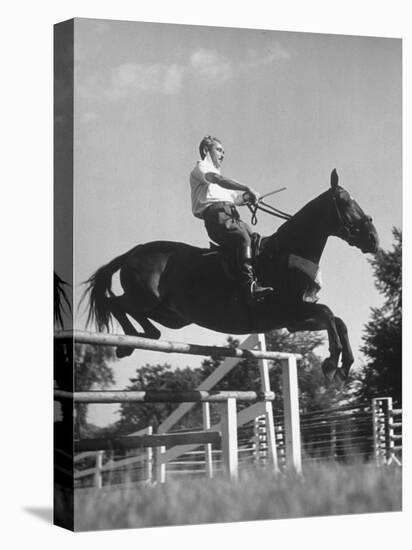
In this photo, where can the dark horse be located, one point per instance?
(176, 284)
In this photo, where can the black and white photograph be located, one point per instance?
(206, 236)
(230, 309)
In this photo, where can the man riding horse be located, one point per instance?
(214, 199)
(176, 284)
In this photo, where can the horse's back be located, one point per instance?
(148, 265)
(163, 247)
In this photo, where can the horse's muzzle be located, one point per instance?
(372, 244)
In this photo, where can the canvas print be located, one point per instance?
(228, 278)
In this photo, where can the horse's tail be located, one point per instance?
(99, 289)
(61, 301)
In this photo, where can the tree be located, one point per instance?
(135, 416)
(382, 375)
(91, 371)
(246, 375)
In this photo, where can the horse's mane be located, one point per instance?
(292, 229)
(301, 217)
(305, 212)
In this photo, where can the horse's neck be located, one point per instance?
(305, 234)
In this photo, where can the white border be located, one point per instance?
(26, 463)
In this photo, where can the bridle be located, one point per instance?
(348, 230)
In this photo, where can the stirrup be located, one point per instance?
(258, 292)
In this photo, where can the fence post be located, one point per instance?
(268, 408)
(280, 443)
(229, 437)
(380, 408)
(291, 414)
(208, 446)
(160, 465)
(149, 458)
(98, 476)
(390, 454)
(260, 441)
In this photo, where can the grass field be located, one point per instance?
(322, 490)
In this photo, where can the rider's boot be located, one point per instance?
(252, 289)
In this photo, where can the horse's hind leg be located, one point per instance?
(119, 309)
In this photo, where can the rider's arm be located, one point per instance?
(233, 185)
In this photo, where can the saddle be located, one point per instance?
(227, 256)
(284, 263)
(217, 249)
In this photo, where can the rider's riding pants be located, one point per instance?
(225, 228)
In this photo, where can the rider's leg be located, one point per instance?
(252, 289)
(225, 228)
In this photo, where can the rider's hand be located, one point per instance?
(250, 196)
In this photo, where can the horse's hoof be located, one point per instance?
(123, 351)
(329, 369)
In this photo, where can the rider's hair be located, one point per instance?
(207, 143)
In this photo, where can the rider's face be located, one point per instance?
(217, 153)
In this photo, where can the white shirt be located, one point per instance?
(205, 193)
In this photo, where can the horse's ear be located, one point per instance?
(334, 179)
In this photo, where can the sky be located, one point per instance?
(289, 107)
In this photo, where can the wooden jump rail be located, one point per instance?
(143, 441)
(227, 428)
(227, 436)
(164, 396)
(136, 342)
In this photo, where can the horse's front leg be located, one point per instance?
(341, 374)
(310, 316)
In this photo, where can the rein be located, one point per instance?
(268, 209)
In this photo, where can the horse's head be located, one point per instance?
(353, 225)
